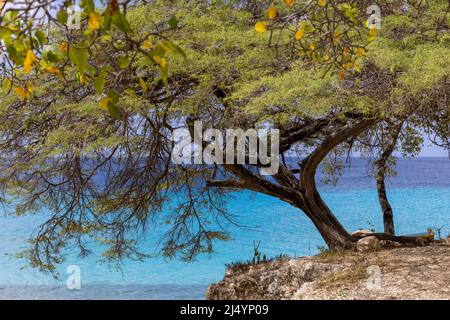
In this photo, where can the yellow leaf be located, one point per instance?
(162, 62)
(260, 27)
(289, 3)
(347, 65)
(360, 52)
(63, 47)
(143, 84)
(373, 34)
(23, 93)
(299, 34)
(322, 3)
(342, 74)
(326, 57)
(272, 12)
(336, 36)
(30, 59)
(30, 88)
(147, 44)
(83, 79)
(53, 70)
(346, 51)
(95, 21)
(104, 103)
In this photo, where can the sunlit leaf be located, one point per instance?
(272, 12)
(261, 27)
(95, 21)
(104, 103)
(289, 3)
(23, 93)
(299, 34)
(53, 70)
(373, 32)
(6, 85)
(30, 59)
(360, 52)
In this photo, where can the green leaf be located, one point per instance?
(119, 20)
(40, 36)
(173, 22)
(12, 52)
(48, 55)
(80, 58)
(113, 95)
(88, 5)
(6, 85)
(62, 16)
(99, 83)
(113, 109)
(164, 71)
(172, 48)
(123, 62)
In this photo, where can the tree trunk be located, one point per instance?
(329, 227)
(327, 224)
(381, 166)
(388, 216)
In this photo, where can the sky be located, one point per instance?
(429, 150)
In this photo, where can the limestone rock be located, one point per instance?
(281, 279)
(361, 233)
(407, 273)
(366, 244)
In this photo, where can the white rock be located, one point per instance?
(361, 232)
(370, 243)
(304, 289)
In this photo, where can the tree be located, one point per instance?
(105, 174)
(57, 39)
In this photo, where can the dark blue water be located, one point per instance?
(420, 195)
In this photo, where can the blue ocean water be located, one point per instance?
(420, 196)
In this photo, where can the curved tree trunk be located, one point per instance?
(326, 223)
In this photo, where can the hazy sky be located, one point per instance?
(432, 151)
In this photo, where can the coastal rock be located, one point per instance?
(361, 233)
(406, 273)
(370, 243)
(389, 244)
(281, 279)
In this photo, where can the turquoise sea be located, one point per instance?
(420, 195)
